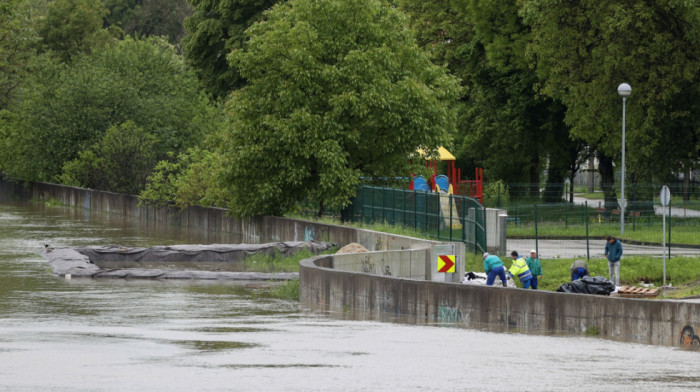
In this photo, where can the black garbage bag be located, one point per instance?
(588, 285)
(598, 285)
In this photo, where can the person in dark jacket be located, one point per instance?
(613, 251)
(579, 269)
(535, 265)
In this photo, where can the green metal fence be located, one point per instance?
(441, 216)
(590, 222)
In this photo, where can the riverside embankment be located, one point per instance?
(396, 280)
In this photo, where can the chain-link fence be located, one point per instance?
(640, 196)
(438, 215)
(570, 230)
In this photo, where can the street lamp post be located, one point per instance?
(624, 90)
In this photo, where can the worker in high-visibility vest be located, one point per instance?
(520, 269)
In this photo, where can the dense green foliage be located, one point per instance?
(72, 27)
(70, 107)
(18, 40)
(120, 162)
(320, 93)
(215, 29)
(146, 18)
(336, 91)
(584, 49)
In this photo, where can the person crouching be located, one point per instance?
(520, 269)
(493, 266)
(579, 269)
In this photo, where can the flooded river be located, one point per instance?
(117, 335)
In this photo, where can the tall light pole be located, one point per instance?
(624, 90)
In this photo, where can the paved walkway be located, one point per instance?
(676, 212)
(577, 248)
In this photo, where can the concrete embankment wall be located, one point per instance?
(258, 229)
(393, 281)
(361, 296)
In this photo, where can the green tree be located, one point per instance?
(584, 49)
(17, 47)
(70, 107)
(72, 27)
(147, 18)
(120, 162)
(192, 179)
(216, 28)
(337, 90)
(504, 125)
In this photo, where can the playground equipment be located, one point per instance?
(447, 185)
(472, 188)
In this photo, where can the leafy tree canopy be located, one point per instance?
(148, 18)
(120, 162)
(18, 41)
(71, 106)
(337, 90)
(584, 49)
(72, 27)
(215, 29)
(503, 126)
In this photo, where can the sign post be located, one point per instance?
(665, 197)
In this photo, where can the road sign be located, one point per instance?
(665, 196)
(446, 263)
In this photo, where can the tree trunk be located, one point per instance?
(554, 188)
(535, 178)
(686, 185)
(320, 209)
(571, 187)
(607, 180)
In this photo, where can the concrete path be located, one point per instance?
(676, 212)
(577, 248)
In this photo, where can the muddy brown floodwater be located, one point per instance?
(125, 335)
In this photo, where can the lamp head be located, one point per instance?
(624, 90)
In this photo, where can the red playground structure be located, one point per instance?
(472, 188)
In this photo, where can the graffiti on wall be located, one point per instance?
(451, 314)
(689, 338)
(309, 233)
(369, 266)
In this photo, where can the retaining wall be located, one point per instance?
(360, 296)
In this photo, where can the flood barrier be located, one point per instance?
(328, 283)
(220, 262)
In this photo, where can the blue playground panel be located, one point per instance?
(443, 183)
(419, 184)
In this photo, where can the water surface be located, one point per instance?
(141, 335)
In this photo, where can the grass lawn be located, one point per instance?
(683, 273)
(277, 263)
(680, 234)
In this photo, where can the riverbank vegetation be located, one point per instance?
(259, 105)
(277, 262)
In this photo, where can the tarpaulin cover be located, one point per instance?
(589, 285)
(97, 261)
